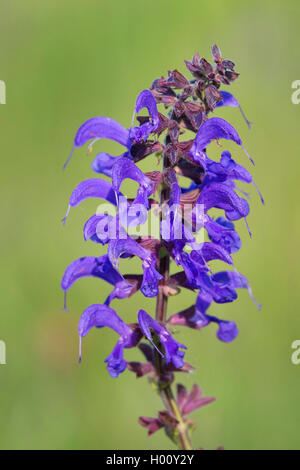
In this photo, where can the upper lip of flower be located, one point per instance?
(99, 315)
(106, 128)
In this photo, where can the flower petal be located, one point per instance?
(103, 163)
(215, 128)
(152, 424)
(227, 168)
(100, 128)
(116, 363)
(90, 266)
(100, 315)
(125, 168)
(234, 280)
(91, 228)
(195, 400)
(129, 246)
(222, 232)
(227, 331)
(145, 100)
(93, 188)
(172, 348)
(210, 251)
(223, 197)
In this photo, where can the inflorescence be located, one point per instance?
(183, 213)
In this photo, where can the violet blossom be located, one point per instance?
(213, 186)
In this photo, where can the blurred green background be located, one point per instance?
(64, 62)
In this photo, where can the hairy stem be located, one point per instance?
(170, 403)
(165, 391)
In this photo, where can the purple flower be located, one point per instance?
(227, 330)
(91, 188)
(226, 170)
(145, 100)
(172, 349)
(125, 168)
(99, 267)
(129, 246)
(213, 128)
(209, 251)
(106, 128)
(221, 196)
(97, 228)
(196, 317)
(221, 231)
(234, 280)
(99, 316)
(183, 214)
(104, 162)
(100, 128)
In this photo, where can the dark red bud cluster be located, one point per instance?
(188, 103)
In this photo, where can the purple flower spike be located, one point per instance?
(98, 316)
(214, 128)
(229, 100)
(100, 128)
(171, 347)
(178, 137)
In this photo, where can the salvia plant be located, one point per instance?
(180, 139)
